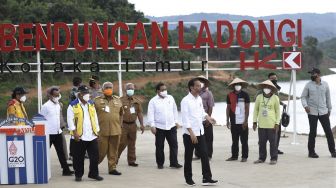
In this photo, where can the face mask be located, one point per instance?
(164, 93)
(108, 92)
(86, 97)
(313, 78)
(267, 91)
(56, 99)
(237, 87)
(275, 83)
(130, 92)
(23, 98)
(202, 85)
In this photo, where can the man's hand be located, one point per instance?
(76, 136)
(153, 129)
(193, 138)
(245, 125)
(178, 126)
(307, 109)
(276, 127)
(211, 120)
(254, 126)
(228, 124)
(142, 128)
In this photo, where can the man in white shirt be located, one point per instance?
(51, 110)
(193, 115)
(84, 128)
(162, 117)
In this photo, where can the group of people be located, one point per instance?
(103, 125)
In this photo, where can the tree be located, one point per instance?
(312, 56)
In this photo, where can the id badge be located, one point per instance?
(132, 110)
(264, 112)
(107, 109)
(237, 110)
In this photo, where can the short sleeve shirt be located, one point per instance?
(237, 106)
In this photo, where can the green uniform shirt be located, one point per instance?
(267, 111)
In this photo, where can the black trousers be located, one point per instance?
(57, 141)
(171, 137)
(71, 146)
(325, 122)
(264, 136)
(278, 136)
(188, 154)
(237, 132)
(208, 134)
(78, 155)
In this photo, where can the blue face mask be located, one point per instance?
(130, 92)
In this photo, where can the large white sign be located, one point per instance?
(15, 154)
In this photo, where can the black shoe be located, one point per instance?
(258, 161)
(209, 182)
(176, 166)
(67, 173)
(190, 183)
(280, 152)
(160, 166)
(78, 179)
(133, 164)
(333, 155)
(115, 172)
(243, 160)
(98, 178)
(232, 159)
(313, 155)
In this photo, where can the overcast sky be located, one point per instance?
(237, 7)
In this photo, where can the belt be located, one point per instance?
(129, 123)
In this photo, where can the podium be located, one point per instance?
(24, 157)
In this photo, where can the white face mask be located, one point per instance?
(202, 85)
(164, 93)
(237, 87)
(267, 91)
(130, 92)
(23, 98)
(56, 99)
(86, 97)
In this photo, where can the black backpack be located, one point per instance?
(285, 118)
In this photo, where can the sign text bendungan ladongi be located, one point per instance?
(48, 36)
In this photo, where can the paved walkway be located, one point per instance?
(294, 168)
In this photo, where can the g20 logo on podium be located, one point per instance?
(15, 153)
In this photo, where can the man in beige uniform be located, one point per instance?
(110, 112)
(132, 111)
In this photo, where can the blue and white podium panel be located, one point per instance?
(24, 154)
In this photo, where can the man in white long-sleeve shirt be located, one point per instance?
(84, 128)
(193, 115)
(51, 110)
(163, 117)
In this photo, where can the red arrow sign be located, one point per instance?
(291, 60)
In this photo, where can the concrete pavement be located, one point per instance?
(294, 168)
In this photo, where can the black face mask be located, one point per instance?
(275, 82)
(313, 78)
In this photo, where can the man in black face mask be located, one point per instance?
(274, 79)
(316, 101)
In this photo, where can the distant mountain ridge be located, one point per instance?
(321, 26)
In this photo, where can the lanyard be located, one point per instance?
(265, 104)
